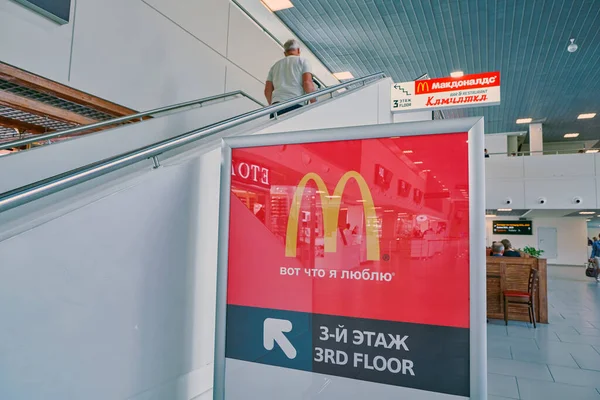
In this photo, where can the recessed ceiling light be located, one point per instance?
(456, 74)
(418, 162)
(407, 151)
(586, 116)
(343, 75)
(505, 209)
(276, 5)
(571, 135)
(524, 120)
(587, 212)
(592, 151)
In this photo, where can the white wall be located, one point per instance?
(557, 178)
(496, 143)
(146, 53)
(572, 238)
(112, 300)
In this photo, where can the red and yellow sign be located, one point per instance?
(354, 267)
(467, 91)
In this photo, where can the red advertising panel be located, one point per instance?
(360, 273)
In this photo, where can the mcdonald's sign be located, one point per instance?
(473, 90)
(422, 87)
(330, 204)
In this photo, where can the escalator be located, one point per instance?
(108, 255)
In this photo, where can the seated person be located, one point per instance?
(508, 249)
(497, 249)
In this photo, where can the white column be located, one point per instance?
(512, 144)
(536, 139)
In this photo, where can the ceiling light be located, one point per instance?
(456, 74)
(343, 75)
(586, 116)
(587, 212)
(592, 151)
(572, 47)
(524, 120)
(505, 209)
(588, 220)
(490, 215)
(407, 151)
(276, 5)
(418, 162)
(571, 135)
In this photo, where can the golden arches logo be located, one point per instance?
(331, 211)
(422, 87)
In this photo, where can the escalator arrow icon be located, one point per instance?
(274, 330)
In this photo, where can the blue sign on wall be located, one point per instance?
(57, 10)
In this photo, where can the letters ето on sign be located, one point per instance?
(467, 91)
(306, 294)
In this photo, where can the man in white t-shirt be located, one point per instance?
(289, 77)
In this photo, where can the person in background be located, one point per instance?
(508, 249)
(595, 256)
(289, 77)
(497, 249)
(485, 152)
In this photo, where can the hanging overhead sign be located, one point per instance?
(467, 91)
(320, 300)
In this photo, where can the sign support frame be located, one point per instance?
(477, 274)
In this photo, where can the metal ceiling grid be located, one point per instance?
(9, 134)
(48, 123)
(526, 40)
(53, 101)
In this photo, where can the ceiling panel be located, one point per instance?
(526, 40)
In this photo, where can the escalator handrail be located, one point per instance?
(125, 118)
(54, 184)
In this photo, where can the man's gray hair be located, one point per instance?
(291, 44)
(497, 248)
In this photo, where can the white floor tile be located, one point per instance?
(575, 376)
(530, 389)
(502, 385)
(519, 369)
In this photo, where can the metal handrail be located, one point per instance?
(114, 121)
(34, 191)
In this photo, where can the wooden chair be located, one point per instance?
(524, 298)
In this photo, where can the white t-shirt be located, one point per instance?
(286, 75)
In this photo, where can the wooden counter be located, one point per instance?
(512, 273)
